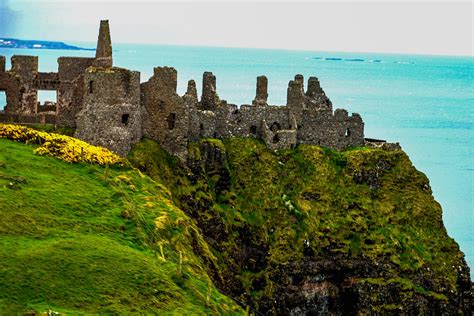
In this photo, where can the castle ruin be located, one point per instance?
(109, 107)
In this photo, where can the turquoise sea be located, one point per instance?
(423, 102)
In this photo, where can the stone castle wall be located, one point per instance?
(109, 107)
(111, 114)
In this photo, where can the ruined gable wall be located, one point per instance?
(71, 88)
(166, 115)
(25, 68)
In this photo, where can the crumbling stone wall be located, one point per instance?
(307, 118)
(26, 69)
(166, 116)
(111, 112)
(11, 85)
(109, 107)
(22, 82)
(71, 88)
(278, 139)
(19, 84)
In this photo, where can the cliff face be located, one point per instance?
(315, 231)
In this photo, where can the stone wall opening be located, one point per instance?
(125, 118)
(348, 132)
(3, 101)
(275, 127)
(276, 139)
(47, 100)
(91, 87)
(171, 121)
(253, 130)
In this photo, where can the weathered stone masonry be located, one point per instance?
(109, 107)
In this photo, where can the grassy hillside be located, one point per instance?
(80, 238)
(306, 230)
(359, 227)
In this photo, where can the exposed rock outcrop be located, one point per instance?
(312, 231)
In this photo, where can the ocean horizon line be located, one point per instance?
(90, 46)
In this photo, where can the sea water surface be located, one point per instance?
(423, 102)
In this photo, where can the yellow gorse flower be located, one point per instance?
(63, 147)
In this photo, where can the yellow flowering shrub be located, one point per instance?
(63, 147)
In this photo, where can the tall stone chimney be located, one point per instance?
(103, 53)
(191, 92)
(262, 91)
(209, 97)
(314, 88)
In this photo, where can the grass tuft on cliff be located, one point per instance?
(85, 239)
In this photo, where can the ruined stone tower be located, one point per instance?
(111, 114)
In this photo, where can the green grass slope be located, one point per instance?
(78, 238)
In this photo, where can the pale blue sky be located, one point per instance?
(424, 27)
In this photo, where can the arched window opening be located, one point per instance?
(348, 132)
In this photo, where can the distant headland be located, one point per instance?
(34, 44)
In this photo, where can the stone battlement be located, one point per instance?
(108, 106)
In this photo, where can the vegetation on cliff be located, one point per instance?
(306, 230)
(357, 229)
(80, 238)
